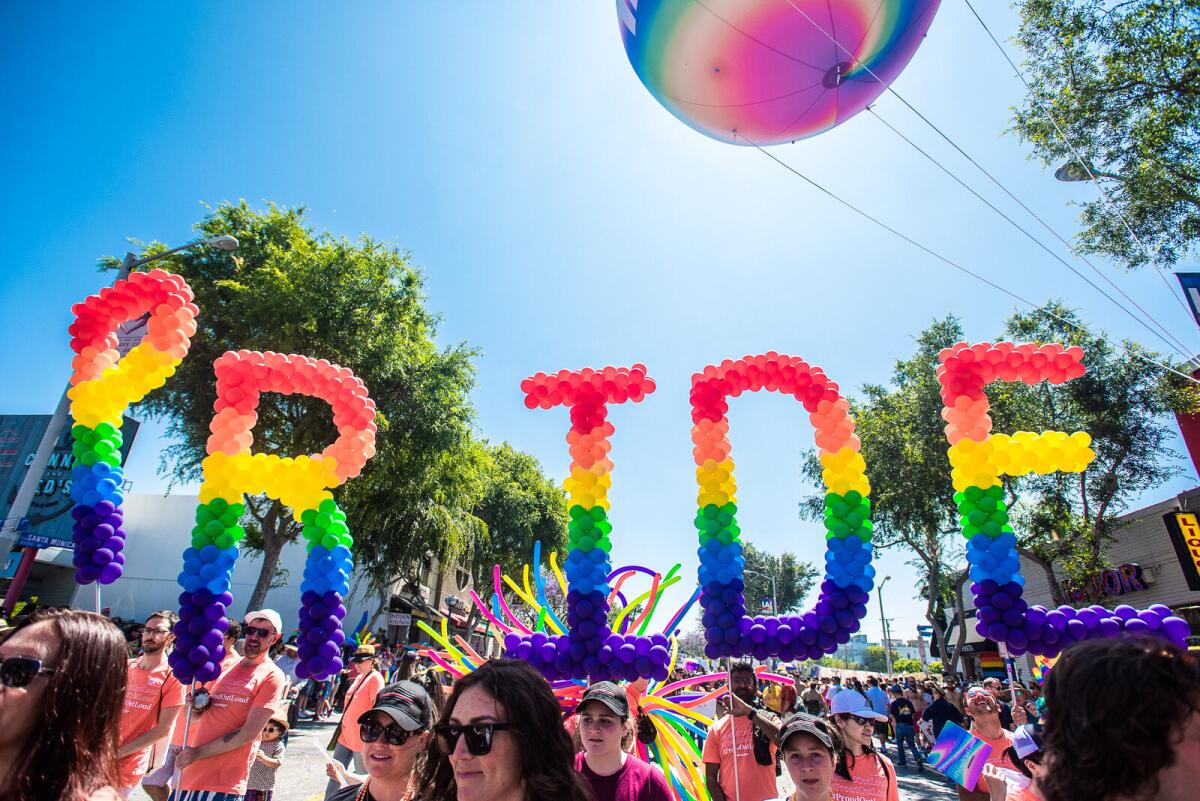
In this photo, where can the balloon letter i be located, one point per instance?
(589, 648)
(301, 482)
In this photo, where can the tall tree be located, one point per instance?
(359, 304)
(1121, 78)
(913, 507)
(793, 579)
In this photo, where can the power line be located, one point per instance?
(1106, 199)
(951, 263)
(1173, 343)
(946, 137)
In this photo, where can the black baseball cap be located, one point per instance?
(608, 694)
(405, 702)
(804, 724)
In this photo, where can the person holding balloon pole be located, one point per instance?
(739, 754)
(243, 700)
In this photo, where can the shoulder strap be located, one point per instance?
(353, 692)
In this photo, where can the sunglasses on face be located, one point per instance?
(357, 659)
(254, 631)
(859, 720)
(19, 671)
(392, 733)
(272, 729)
(478, 735)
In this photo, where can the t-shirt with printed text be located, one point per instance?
(757, 781)
(240, 690)
(181, 722)
(872, 778)
(360, 697)
(998, 757)
(147, 692)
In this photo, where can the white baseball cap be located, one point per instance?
(269, 615)
(848, 702)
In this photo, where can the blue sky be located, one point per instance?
(562, 217)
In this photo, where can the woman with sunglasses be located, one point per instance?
(862, 774)
(499, 738)
(359, 698)
(394, 733)
(62, 685)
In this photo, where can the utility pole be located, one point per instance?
(887, 648)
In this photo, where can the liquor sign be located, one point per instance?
(1184, 529)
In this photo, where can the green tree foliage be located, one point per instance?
(875, 660)
(359, 304)
(519, 506)
(904, 445)
(935, 666)
(1122, 80)
(907, 666)
(793, 579)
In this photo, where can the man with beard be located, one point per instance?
(153, 698)
(984, 710)
(752, 730)
(243, 700)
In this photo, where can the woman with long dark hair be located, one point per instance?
(500, 738)
(62, 683)
(861, 774)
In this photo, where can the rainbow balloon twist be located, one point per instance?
(979, 459)
(589, 647)
(103, 385)
(729, 631)
(301, 482)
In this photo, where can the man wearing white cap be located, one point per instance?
(243, 700)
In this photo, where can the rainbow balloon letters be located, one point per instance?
(728, 630)
(103, 385)
(590, 647)
(301, 482)
(767, 72)
(979, 459)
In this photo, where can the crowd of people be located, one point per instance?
(1119, 720)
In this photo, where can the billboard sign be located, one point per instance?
(48, 521)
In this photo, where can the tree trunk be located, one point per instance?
(275, 536)
(378, 611)
(1056, 591)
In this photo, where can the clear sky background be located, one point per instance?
(562, 217)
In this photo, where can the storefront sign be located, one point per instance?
(1184, 529)
(1118, 581)
(401, 619)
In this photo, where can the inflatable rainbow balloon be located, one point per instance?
(770, 71)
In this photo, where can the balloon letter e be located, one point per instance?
(978, 460)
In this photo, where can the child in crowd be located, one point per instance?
(261, 783)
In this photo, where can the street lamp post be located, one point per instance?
(774, 601)
(887, 650)
(24, 497)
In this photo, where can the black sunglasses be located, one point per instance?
(254, 631)
(479, 737)
(859, 720)
(18, 671)
(394, 735)
(357, 659)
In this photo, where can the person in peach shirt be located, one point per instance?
(243, 699)
(156, 784)
(360, 697)
(153, 698)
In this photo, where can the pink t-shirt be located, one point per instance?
(147, 692)
(635, 781)
(757, 781)
(998, 757)
(872, 778)
(360, 697)
(181, 722)
(239, 691)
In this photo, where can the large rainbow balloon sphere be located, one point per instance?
(765, 72)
